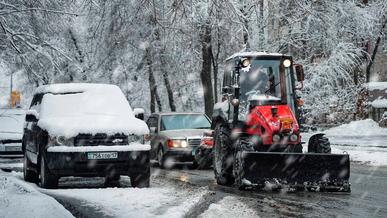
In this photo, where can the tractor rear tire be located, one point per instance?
(223, 156)
(319, 144)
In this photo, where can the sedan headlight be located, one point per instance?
(177, 143)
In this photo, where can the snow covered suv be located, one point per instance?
(80, 129)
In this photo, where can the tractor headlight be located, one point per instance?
(245, 62)
(276, 138)
(293, 137)
(287, 63)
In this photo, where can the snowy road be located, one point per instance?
(181, 192)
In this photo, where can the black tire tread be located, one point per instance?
(222, 135)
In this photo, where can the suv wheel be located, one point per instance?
(29, 175)
(47, 180)
(112, 180)
(140, 180)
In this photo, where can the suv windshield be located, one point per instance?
(184, 121)
(262, 77)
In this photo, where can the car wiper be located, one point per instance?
(203, 128)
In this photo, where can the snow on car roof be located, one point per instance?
(73, 87)
(70, 109)
(253, 54)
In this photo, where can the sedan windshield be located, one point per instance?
(184, 121)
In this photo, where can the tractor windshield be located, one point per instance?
(262, 77)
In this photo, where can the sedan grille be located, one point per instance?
(100, 139)
(194, 142)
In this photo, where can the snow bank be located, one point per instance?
(358, 128)
(379, 103)
(363, 140)
(133, 202)
(376, 85)
(131, 147)
(19, 199)
(87, 108)
(363, 154)
(229, 207)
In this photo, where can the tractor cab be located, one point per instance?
(257, 78)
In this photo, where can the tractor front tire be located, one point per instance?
(223, 156)
(319, 144)
(238, 171)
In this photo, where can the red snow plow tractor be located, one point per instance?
(257, 141)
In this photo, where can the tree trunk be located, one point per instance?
(163, 63)
(154, 96)
(166, 81)
(369, 66)
(205, 73)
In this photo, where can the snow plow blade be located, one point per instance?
(325, 171)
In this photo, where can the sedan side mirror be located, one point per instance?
(299, 72)
(32, 116)
(139, 113)
(153, 130)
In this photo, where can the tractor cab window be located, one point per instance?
(260, 78)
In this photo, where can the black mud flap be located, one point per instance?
(296, 168)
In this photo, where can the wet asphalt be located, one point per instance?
(368, 197)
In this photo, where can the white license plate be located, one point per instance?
(102, 155)
(13, 148)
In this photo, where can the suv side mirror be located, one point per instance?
(299, 72)
(139, 113)
(32, 116)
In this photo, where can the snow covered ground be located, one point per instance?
(20, 199)
(231, 206)
(364, 141)
(166, 201)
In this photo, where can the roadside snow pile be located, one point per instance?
(229, 207)
(380, 102)
(87, 108)
(134, 202)
(376, 85)
(19, 199)
(366, 127)
(363, 140)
